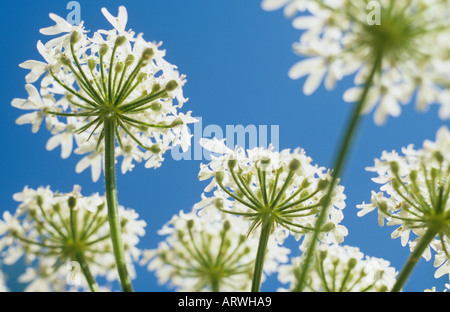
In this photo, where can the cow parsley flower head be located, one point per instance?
(410, 39)
(113, 81)
(207, 252)
(52, 230)
(264, 185)
(337, 268)
(415, 196)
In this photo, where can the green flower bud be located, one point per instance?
(120, 40)
(75, 37)
(218, 202)
(91, 64)
(155, 149)
(413, 175)
(72, 202)
(119, 67)
(294, 164)
(156, 87)
(226, 225)
(232, 163)
(140, 77)
(219, 176)
(176, 122)
(328, 227)
(439, 156)
(129, 60)
(190, 224)
(103, 49)
(39, 200)
(352, 263)
(322, 185)
(147, 54)
(394, 167)
(171, 85)
(155, 106)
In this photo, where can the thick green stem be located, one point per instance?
(337, 169)
(266, 228)
(423, 243)
(93, 286)
(111, 199)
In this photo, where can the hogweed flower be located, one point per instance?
(273, 189)
(415, 197)
(207, 252)
(52, 230)
(338, 268)
(114, 94)
(113, 81)
(341, 38)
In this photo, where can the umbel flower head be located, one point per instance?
(409, 37)
(52, 230)
(208, 252)
(263, 185)
(338, 268)
(414, 196)
(113, 81)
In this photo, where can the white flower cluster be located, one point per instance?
(343, 37)
(52, 229)
(414, 195)
(283, 186)
(338, 268)
(208, 251)
(116, 74)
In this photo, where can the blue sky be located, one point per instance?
(236, 58)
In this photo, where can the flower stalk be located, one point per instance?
(266, 228)
(339, 163)
(111, 200)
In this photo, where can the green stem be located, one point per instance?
(338, 167)
(93, 286)
(111, 199)
(423, 243)
(266, 228)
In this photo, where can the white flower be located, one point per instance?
(52, 229)
(344, 37)
(208, 252)
(113, 75)
(282, 186)
(339, 268)
(414, 196)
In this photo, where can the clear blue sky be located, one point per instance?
(236, 57)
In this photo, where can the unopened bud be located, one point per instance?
(394, 166)
(190, 224)
(439, 156)
(72, 201)
(39, 200)
(294, 164)
(91, 64)
(219, 176)
(119, 67)
(155, 106)
(352, 263)
(232, 163)
(323, 184)
(155, 149)
(156, 87)
(103, 49)
(328, 227)
(140, 77)
(147, 54)
(120, 40)
(171, 85)
(75, 37)
(226, 225)
(176, 122)
(413, 175)
(129, 60)
(218, 203)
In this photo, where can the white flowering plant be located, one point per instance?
(110, 95)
